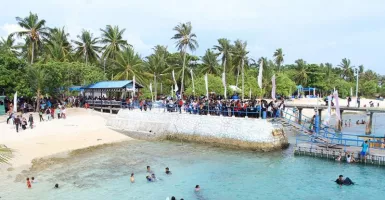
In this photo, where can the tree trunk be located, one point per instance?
(237, 76)
(32, 51)
(184, 60)
(38, 100)
(243, 80)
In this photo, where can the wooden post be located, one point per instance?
(299, 115)
(369, 118)
(320, 116)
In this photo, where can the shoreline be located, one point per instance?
(82, 129)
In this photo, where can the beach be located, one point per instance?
(82, 128)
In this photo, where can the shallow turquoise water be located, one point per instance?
(222, 174)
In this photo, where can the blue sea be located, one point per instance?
(223, 174)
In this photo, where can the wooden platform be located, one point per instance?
(375, 157)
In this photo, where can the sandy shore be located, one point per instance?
(82, 128)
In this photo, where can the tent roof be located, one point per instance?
(113, 85)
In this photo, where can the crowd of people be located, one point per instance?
(45, 114)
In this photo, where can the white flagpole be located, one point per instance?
(260, 75)
(250, 94)
(152, 97)
(224, 84)
(273, 87)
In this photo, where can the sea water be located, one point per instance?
(104, 173)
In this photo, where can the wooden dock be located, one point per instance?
(376, 155)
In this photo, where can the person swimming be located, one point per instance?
(149, 178)
(197, 188)
(33, 180)
(132, 178)
(339, 157)
(341, 181)
(149, 170)
(56, 186)
(153, 177)
(168, 171)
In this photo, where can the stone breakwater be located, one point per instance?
(254, 134)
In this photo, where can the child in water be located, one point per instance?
(132, 179)
(29, 184)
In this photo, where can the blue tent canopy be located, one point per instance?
(124, 85)
(75, 88)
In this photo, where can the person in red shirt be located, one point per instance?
(29, 184)
(180, 104)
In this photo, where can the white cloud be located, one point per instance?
(7, 29)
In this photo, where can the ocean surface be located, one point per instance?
(104, 173)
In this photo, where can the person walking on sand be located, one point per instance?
(30, 120)
(17, 123)
(48, 114)
(41, 115)
(58, 112)
(63, 113)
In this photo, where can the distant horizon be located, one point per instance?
(317, 32)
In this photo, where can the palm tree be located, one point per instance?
(278, 58)
(37, 79)
(5, 154)
(224, 47)
(8, 45)
(347, 70)
(302, 72)
(57, 45)
(240, 56)
(87, 47)
(185, 39)
(130, 64)
(34, 30)
(112, 37)
(156, 65)
(210, 63)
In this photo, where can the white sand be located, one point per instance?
(82, 128)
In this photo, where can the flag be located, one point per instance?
(224, 84)
(273, 87)
(192, 79)
(152, 99)
(329, 113)
(15, 103)
(250, 94)
(133, 84)
(335, 95)
(351, 91)
(207, 86)
(260, 74)
(173, 78)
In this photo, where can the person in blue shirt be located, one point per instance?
(365, 150)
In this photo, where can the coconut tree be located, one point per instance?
(347, 70)
(37, 79)
(57, 45)
(130, 64)
(240, 56)
(185, 39)
(278, 58)
(156, 65)
(112, 38)
(302, 72)
(224, 49)
(86, 46)
(8, 45)
(34, 30)
(210, 63)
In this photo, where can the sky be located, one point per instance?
(317, 31)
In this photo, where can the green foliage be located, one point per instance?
(369, 88)
(214, 83)
(343, 87)
(284, 85)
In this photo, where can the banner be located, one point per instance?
(250, 94)
(15, 103)
(192, 79)
(173, 78)
(260, 75)
(273, 87)
(207, 86)
(337, 105)
(224, 84)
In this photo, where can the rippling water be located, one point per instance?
(104, 173)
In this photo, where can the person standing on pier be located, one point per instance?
(365, 150)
